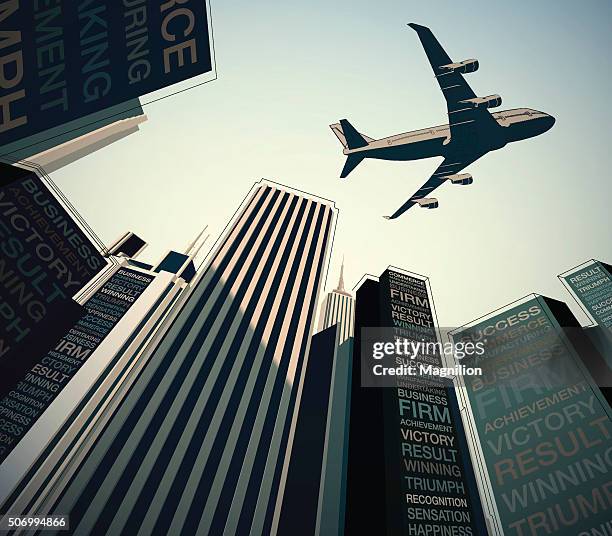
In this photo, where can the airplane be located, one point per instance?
(472, 131)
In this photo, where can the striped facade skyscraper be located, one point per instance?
(200, 444)
(123, 311)
(338, 307)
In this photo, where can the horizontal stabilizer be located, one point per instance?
(352, 161)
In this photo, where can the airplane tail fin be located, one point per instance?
(354, 140)
(352, 161)
(344, 131)
(337, 130)
(350, 139)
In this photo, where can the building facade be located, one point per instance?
(315, 493)
(541, 427)
(48, 254)
(303, 486)
(338, 307)
(62, 145)
(409, 465)
(55, 404)
(200, 443)
(591, 285)
(314, 499)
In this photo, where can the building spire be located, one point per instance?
(195, 252)
(190, 246)
(341, 281)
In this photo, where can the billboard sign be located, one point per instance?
(544, 429)
(46, 257)
(60, 61)
(591, 284)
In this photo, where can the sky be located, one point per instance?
(287, 70)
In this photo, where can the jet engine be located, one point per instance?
(463, 67)
(427, 202)
(490, 101)
(461, 178)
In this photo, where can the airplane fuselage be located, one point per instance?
(514, 125)
(472, 132)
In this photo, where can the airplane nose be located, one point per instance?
(549, 121)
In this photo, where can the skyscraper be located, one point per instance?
(542, 427)
(301, 504)
(591, 285)
(62, 398)
(315, 494)
(409, 467)
(199, 444)
(338, 307)
(49, 254)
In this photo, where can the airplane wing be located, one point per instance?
(449, 166)
(462, 118)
